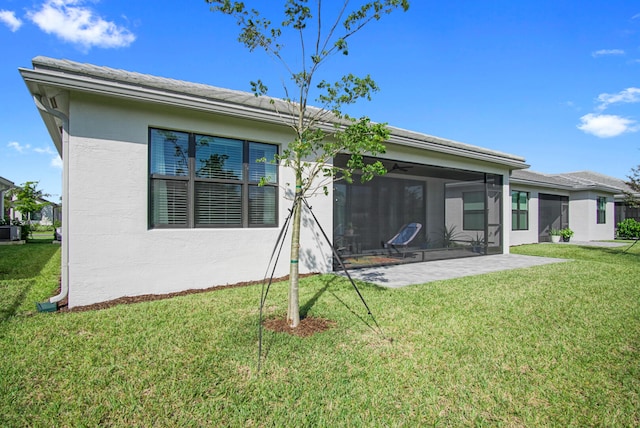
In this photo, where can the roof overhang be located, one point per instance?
(5, 184)
(571, 187)
(50, 78)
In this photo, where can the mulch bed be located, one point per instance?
(370, 260)
(62, 305)
(308, 326)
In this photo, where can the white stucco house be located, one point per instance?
(160, 186)
(46, 216)
(583, 201)
(4, 186)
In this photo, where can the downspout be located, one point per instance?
(64, 285)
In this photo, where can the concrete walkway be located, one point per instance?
(396, 276)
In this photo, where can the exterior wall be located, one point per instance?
(2, 213)
(607, 230)
(435, 209)
(113, 253)
(4, 186)
(529, 236)
(582, 214)
(583, 217)
(454, 204)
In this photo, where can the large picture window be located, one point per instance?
(205, 181)
(602, 210)
(473, 210)
(519, 210)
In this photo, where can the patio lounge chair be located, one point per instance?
(403, 238)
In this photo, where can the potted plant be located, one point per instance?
(477, 244)
(566, 234)
(555, 235)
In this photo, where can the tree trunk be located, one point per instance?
(293, 313)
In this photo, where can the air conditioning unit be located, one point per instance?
(10, 233)
(15, 233)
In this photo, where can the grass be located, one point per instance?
(28, 274)
(555, 345)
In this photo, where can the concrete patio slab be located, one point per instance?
(419, 273)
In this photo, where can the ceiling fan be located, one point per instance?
(403, 168)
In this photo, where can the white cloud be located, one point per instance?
(572, 105)
(20, 148)
(56, 162)
(44, 151)
(26, 149)
(9, 19)
(70, 21)
(603, 52)
(629, 95)
(607, 125)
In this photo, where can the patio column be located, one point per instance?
(506, 214)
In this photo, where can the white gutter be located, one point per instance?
(64, 285)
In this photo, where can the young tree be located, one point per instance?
(28, 199)
(319, 133)
(634, 184)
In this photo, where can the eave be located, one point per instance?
(51, 75)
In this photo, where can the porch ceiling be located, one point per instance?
(411, 169)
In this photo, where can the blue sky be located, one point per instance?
(557, 82)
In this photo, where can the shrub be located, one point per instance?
(566, 233)
(629, 228)
(41, 228)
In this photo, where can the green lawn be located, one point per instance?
(28, 274)
(554, 345)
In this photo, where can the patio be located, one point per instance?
(395, 276)
(402, 275)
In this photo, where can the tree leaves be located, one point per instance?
(320, 134)
(27, 198)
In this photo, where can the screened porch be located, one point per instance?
(459, 212)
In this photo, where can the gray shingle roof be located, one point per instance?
(155, 82)
(245, 99)
(5, 184)
(584, 180)
(596, 177)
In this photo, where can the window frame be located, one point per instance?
(601, 210)
(192, 179)
(519, 211)
(474, 212)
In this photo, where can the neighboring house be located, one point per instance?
(160, 186)
(582, 201)
(4, 186)
(47, 216)
(623, 209)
